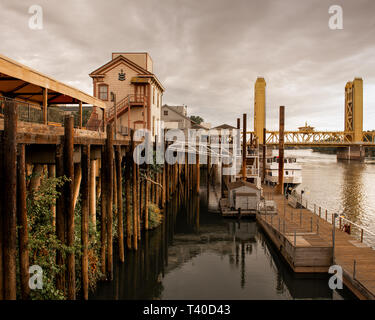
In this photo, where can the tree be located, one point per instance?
(196, 119)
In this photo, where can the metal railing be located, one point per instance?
(27, 112)
(361, 233)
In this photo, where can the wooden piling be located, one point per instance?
(85, 197)
(10, 197)
(109, 195)
(23, 236)
(103, 220)
(135, 202)
(120, 216)
(244, 147)
(146, 198)
(60, 218)
(138, 208)
(69, 204)
(198, 174)
(77, 182)
(281, 150)
(1, 229)
(92, 195)
(128, 160)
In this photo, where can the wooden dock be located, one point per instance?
(305, 241)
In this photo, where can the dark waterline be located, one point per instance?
(196, 254)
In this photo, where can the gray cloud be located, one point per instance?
(208, 53)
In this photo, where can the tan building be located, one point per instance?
(127, 84)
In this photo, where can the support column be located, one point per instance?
(10, 196)
(92, 191)
(80, 115)
(45, 105)
(146, 198)
(244, 148)
(109, 193)
(103, 220)
(77, 182)
(60, 218)
(281, 150)
(135, 202)
(85, 162)
(127, 195)
(264, 156)
(23, 236)
(69, 204)
(198, 174)
(120, 216)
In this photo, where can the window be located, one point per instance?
(103, 92)
(286, 173)
(165, 112)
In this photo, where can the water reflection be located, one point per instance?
(198, 255)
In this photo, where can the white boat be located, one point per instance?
(292, 171)
(369, 160)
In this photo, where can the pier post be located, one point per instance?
(93, 193)
(60, 218)
(264, 156)
(198, 174)
(127, 195)
(109, 193)
(103, 218)
(244, 148)
(281, 150)
(146, 197)
(135, 197)
(120, 216)
(139, 207)
(85, 194)
(69, 204)
(10, 199)
(23, 236)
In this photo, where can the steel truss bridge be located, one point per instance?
(319, 138)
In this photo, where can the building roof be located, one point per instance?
(225, 126)
(194, 124)
(242, 183)
(143, 73)
(21, 82)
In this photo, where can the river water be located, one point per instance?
(196, 254)
(339, 186)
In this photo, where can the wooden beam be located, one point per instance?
(69, 204)
(244, 148)
(93, 193)
(128, 157)
(103, 228)
(10, 199)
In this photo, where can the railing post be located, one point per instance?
(354, 268)
(311, 224)
(314, 208)
(340, 223)
(295, 238)
(361, 235)
(320, 212)
(326, 214)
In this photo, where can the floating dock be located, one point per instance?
(304, 239)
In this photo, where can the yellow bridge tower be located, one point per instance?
(354, 109)
(259, 108)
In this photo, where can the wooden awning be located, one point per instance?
(20, 82)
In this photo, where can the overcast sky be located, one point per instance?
(208, 53)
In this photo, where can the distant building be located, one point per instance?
(175, 117)
(128, 82)
(306, 128)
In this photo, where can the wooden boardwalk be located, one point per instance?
(303, 228)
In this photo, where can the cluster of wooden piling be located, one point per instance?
(95, 176)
